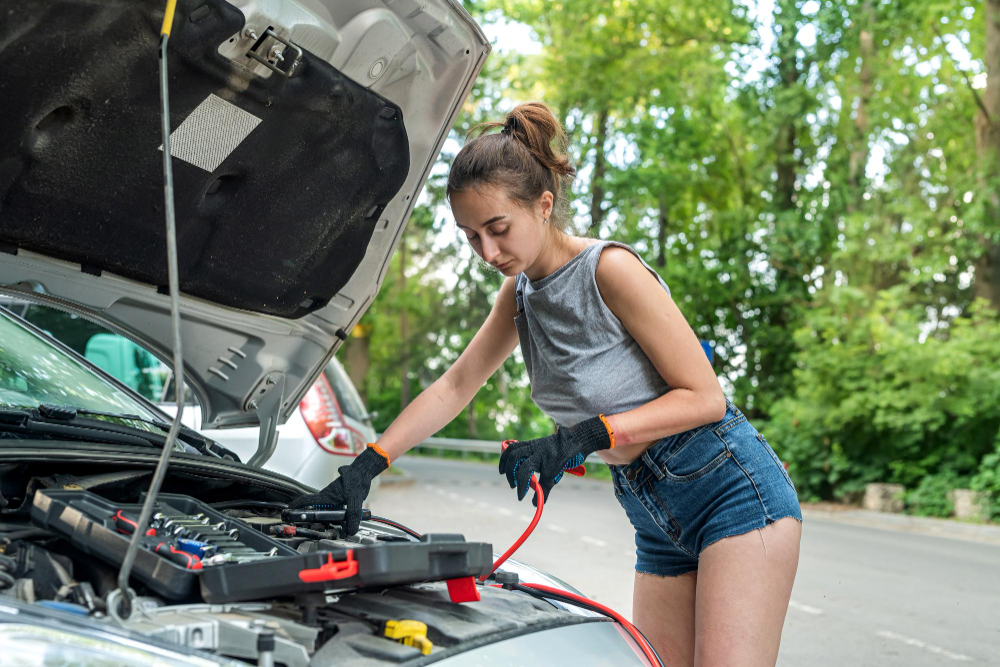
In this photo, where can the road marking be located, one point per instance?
(556, 529)
(593, 540)
(505, 511)
(525, 518)
(454, 496)
(804, 607)
(927, 647)
(630, 553)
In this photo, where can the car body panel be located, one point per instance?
(597, 644)
(429, 53)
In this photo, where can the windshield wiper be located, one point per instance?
(188, 435)
(58, 422)
(65, 421)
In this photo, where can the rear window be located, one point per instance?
(350, 402)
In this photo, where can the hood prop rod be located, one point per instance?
(126, 594)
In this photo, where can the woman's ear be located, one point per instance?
(545, 204)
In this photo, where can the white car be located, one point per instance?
(329, 428)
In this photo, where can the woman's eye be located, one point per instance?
(472, 237)
(500, 232)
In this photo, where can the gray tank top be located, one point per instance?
(581, 360)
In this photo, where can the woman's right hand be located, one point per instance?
(350, 489)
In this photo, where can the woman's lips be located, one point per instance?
(506, 265)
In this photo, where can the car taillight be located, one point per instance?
(345, 441)
(322, 415)
(320, 410)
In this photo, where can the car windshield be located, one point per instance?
(35, 370)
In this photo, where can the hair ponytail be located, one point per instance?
(527, 157)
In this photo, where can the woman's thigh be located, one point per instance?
(744, 585)
(663, 608)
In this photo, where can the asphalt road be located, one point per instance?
(863, 596)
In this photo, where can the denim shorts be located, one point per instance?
(691, 489)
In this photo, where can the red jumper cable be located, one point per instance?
(566, 596)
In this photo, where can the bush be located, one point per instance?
(930, 497)
(879, 399)
(987, 482)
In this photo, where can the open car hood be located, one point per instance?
(293, 178)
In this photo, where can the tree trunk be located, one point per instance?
(600, 167)
(988, 149)
(859, 143)
(786, 164)
(404, 333)
(661, 239)
(470, 420)
(357, 359)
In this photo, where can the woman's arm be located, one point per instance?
(695, 398)
(444, 399)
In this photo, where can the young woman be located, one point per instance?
(612, 360)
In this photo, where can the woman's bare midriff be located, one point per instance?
(624, 454)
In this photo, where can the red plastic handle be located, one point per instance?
(332, 569)
(579, 471)
(182, 558)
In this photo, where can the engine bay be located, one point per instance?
(243, 579)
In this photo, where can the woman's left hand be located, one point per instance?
(551, 455)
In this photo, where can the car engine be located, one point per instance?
(243, 579)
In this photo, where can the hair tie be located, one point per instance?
(510, 126)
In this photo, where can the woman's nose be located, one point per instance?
(490, 249)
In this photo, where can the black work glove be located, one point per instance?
(350, 489)
(551, 455)
(546, 483)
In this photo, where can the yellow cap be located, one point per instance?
(409, 633)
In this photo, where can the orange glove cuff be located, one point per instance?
(381, 452)
(611, 433)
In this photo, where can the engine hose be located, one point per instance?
(7, 565)
(26, 534)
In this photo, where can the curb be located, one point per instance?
(401, 480)
(985, 534)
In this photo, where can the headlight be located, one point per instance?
(30, 645)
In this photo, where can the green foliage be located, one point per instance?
(987, 481)
(809, 184)
(930, 497)
(881, 399)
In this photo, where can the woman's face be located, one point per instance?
(506, 234)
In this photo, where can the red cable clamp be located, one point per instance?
(463, 589)
(332, 569)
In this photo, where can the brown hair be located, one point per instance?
(521, 159)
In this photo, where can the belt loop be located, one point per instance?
(648, 460)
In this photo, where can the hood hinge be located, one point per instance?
(265, 401)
